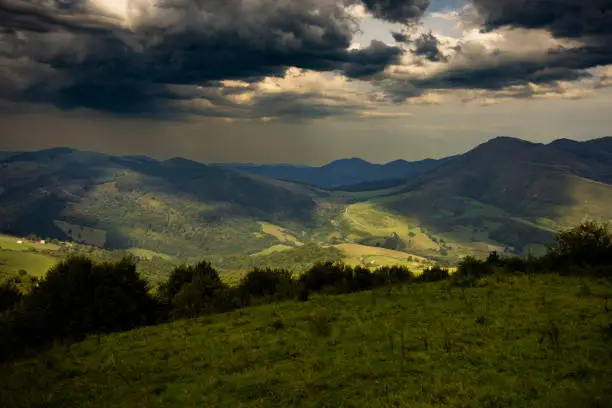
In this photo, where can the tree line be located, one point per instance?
(80, 297)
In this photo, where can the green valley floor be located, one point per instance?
(514, 341)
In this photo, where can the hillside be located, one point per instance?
(488, 346)
(510, 192)
(176, 206)
(505, 195)
(342, 173)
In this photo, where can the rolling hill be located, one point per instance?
(484, 346)
(511, 192)
(176, 206)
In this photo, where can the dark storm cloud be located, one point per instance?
(45, 16)
(563, 18)
(397, 11)
(98, 63)
(589, 21)
(556, 66)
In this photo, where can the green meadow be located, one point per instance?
(512, 341)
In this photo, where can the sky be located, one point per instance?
(301, 81)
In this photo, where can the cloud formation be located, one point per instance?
(79, 54)
(397, 11)
(511, 44)
(169, 58)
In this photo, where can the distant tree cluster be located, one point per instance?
(582, 250)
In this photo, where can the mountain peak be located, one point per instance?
(508, 141)
(181, 161)
(346, 163)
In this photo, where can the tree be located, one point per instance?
(192, 290)
(262, 283)
(184, 274)
(587, 245)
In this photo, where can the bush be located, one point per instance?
(77, 298)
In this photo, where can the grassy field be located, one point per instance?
(372, 220)
(356, 254)
(148, 254)
(279, 233)
(272, 249)
(514, 341)
(36, 264)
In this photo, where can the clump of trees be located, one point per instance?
(77, 297)
(584, 249)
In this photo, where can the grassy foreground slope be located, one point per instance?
(519, 341)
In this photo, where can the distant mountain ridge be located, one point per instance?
(341, 173)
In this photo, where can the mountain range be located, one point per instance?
(344, 173)
(506, 194)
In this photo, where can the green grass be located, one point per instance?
(370, 219)
(477, 347)
(36, 264)
(279, 233)
(363, 255)
(148, 254)
(272, 249)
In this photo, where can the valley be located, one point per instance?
(178, 210)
